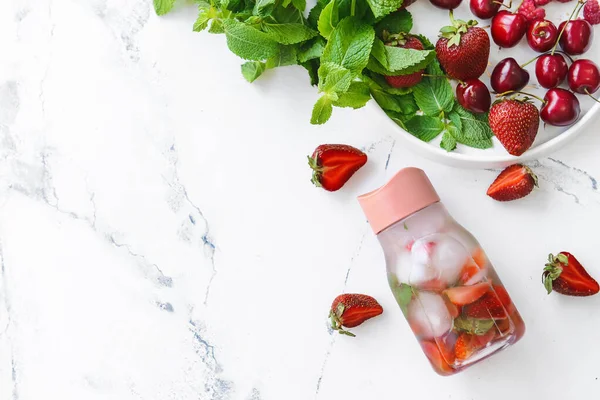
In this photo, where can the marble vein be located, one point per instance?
(215, 387)
(330, 330)
(162, 279)
(207, 242)
(389, 156)
(571, 181)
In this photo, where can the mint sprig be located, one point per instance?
(348, 47)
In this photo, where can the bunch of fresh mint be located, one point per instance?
(340, 45)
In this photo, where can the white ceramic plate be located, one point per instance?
(428, 20)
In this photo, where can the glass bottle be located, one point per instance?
(449, 292)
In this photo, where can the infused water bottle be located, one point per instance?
(448, 290)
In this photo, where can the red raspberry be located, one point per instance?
(591, 12)
(541, 2)
(564, 1)
(529, 10)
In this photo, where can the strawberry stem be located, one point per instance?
(574, 14)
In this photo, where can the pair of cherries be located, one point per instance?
(560, 106)
(509, 28)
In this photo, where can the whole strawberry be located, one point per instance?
(334, 164)
(350, 310)
(591, 12)
(564, 274)
(515, 123)
(406, 42)
(513, 183)
(463, 49)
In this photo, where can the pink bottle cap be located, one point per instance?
(406, 193)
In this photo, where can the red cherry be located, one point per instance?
(446, 4)
(542, 35)
(584, 77)
(577, 37)
(485, 9)
(508, 75)
(474, 96)
(551, 70)
(508, 28)
(561, 107)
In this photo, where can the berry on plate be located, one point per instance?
(463, 49)
(515, 123)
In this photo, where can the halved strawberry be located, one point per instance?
(467, 344)
(463, 295)
(494, 304)
(350, 310)
(565, 274)
(432, 351)
(473, 270)
(334, 164)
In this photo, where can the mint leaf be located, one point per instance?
(448, 142)
(475, 129)
(356, 96)
(216, 26)
(454, 117)
(399, 118)
(247, 42)
(397, 22)
(424, 127)
(408, 61)
(426, 43)
(299, 4)
(289, 33)
(328, 19)
(334, 78)
(285, 56)
(350, 45)
(389, 102)
(285, 15)
(201, 22)
(379, 53)
(402, 292)
(399, 61)
(389, 89)
(163, 6)
(381, 8)
(434, 94)
(322, 110)
(311, 50)
(312, 67)
(264, 8)
(315, 14)
(473, 326)
(251, 70)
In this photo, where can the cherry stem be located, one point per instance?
(593, 98)
(546, 53)
(574, 14)
(523, 93)
(509, 6)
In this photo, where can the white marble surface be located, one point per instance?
(160, 238)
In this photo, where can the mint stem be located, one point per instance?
(353, 8)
